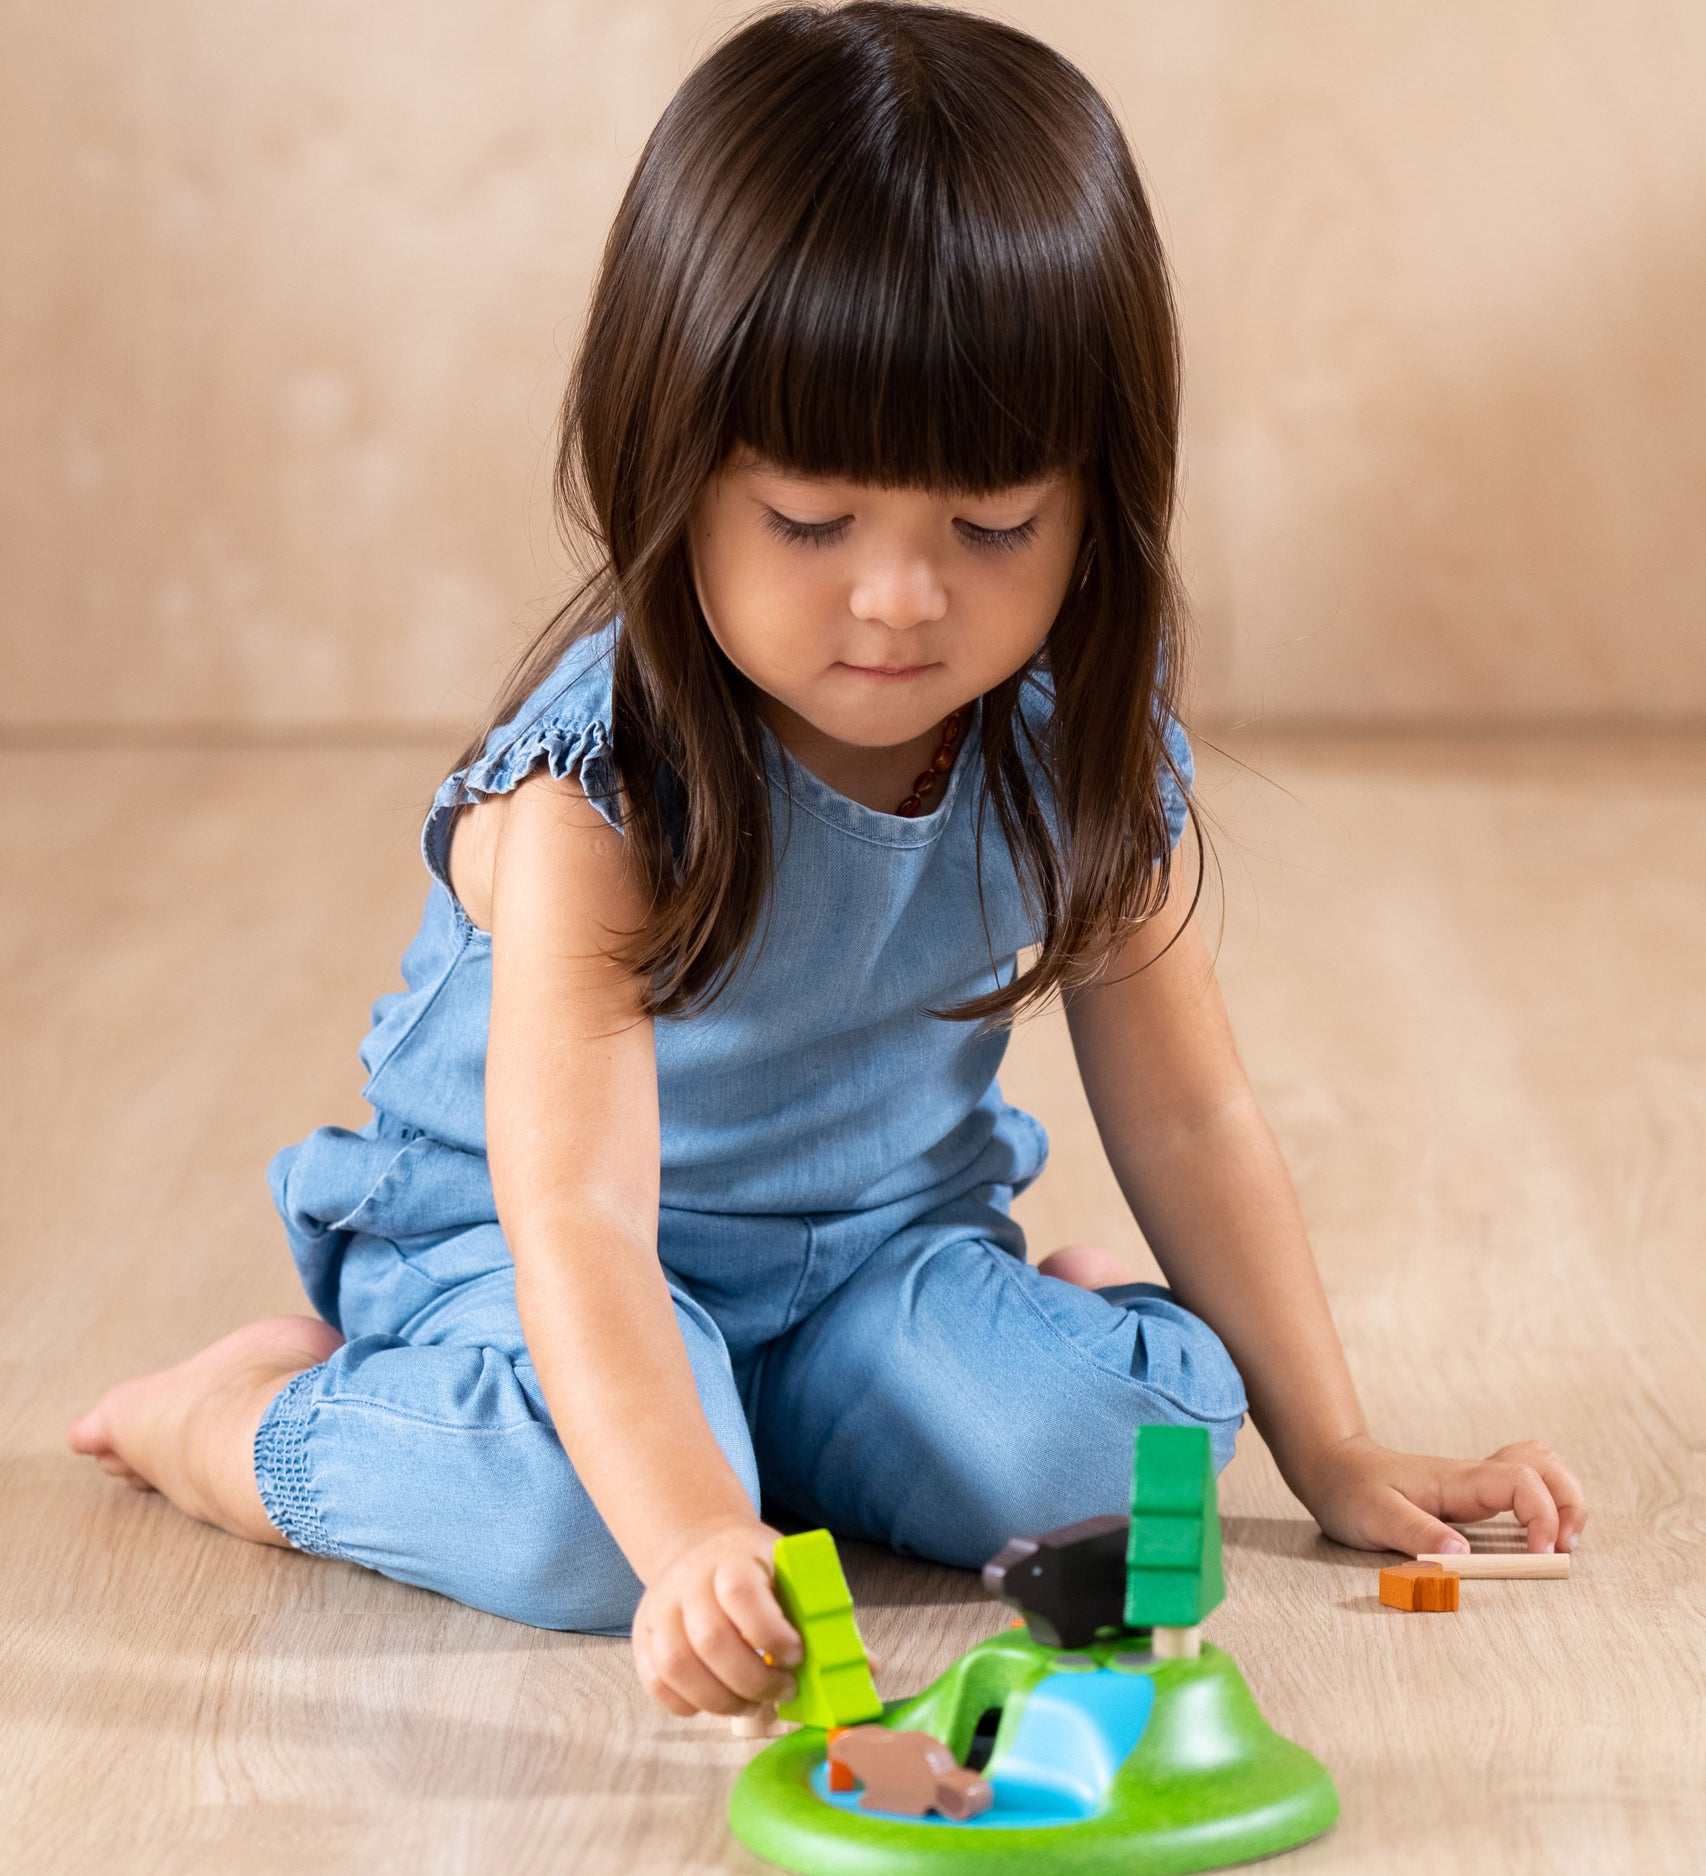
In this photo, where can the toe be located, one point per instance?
(1088, 1266)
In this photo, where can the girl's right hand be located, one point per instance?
(708, 1619)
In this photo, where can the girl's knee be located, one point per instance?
(1003, 1403)
(1184, 1372)
(575, 1579)
(1163, 1363)
(1071, 1457)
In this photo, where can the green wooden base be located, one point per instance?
(1210, 1783)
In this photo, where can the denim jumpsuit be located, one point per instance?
(871, 1349)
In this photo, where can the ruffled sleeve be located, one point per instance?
(565, 725)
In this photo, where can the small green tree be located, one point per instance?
(834, 1685)
(1173, 1573)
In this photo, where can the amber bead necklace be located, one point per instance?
(940, 763)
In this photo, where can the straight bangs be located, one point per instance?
(933, 322)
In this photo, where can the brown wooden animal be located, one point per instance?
(908, 1772)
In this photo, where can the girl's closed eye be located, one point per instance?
(1002, 540)
(827, 533)
(808, 533)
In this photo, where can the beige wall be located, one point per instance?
(286, 294)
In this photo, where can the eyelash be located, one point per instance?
(827, 533)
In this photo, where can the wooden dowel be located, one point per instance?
(1501, 1562)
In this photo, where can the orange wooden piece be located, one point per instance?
(840, 1776)
(1418, 1586)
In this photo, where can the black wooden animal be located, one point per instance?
(1067, 1584)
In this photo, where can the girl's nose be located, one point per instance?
(899, 594)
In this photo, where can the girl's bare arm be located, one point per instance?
(573, 1144)
(1202, 1172)
(1204, 1177)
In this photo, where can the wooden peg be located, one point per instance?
(1500, 1562)
(759, 1723)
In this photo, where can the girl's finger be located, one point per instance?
(660, 1691)
(1404, 1526)
(730, 1657)
(679, 1666)
(745, 1592)
(1561, 1482)
(1484, 1490)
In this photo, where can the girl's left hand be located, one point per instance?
(1375, 1499)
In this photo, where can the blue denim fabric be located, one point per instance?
(872, 1350)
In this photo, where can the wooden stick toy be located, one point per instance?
(1500, 1562)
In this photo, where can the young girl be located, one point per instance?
(688, 1173)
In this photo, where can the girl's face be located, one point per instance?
(816, 588)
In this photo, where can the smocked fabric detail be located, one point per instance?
(281, 1466)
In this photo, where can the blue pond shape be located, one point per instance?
(1074, 1734)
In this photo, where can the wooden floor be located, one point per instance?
(1467, 980)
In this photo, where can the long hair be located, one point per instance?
(902, 245)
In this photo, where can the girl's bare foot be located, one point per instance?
(1087, 1265)
(189, 1431)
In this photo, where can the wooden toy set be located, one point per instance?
(1098, 1734)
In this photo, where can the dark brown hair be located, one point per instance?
(906, 246)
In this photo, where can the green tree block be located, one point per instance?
(1172, 1470)
(834, 1678)
(1173, 1572)
(1165, 1542)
